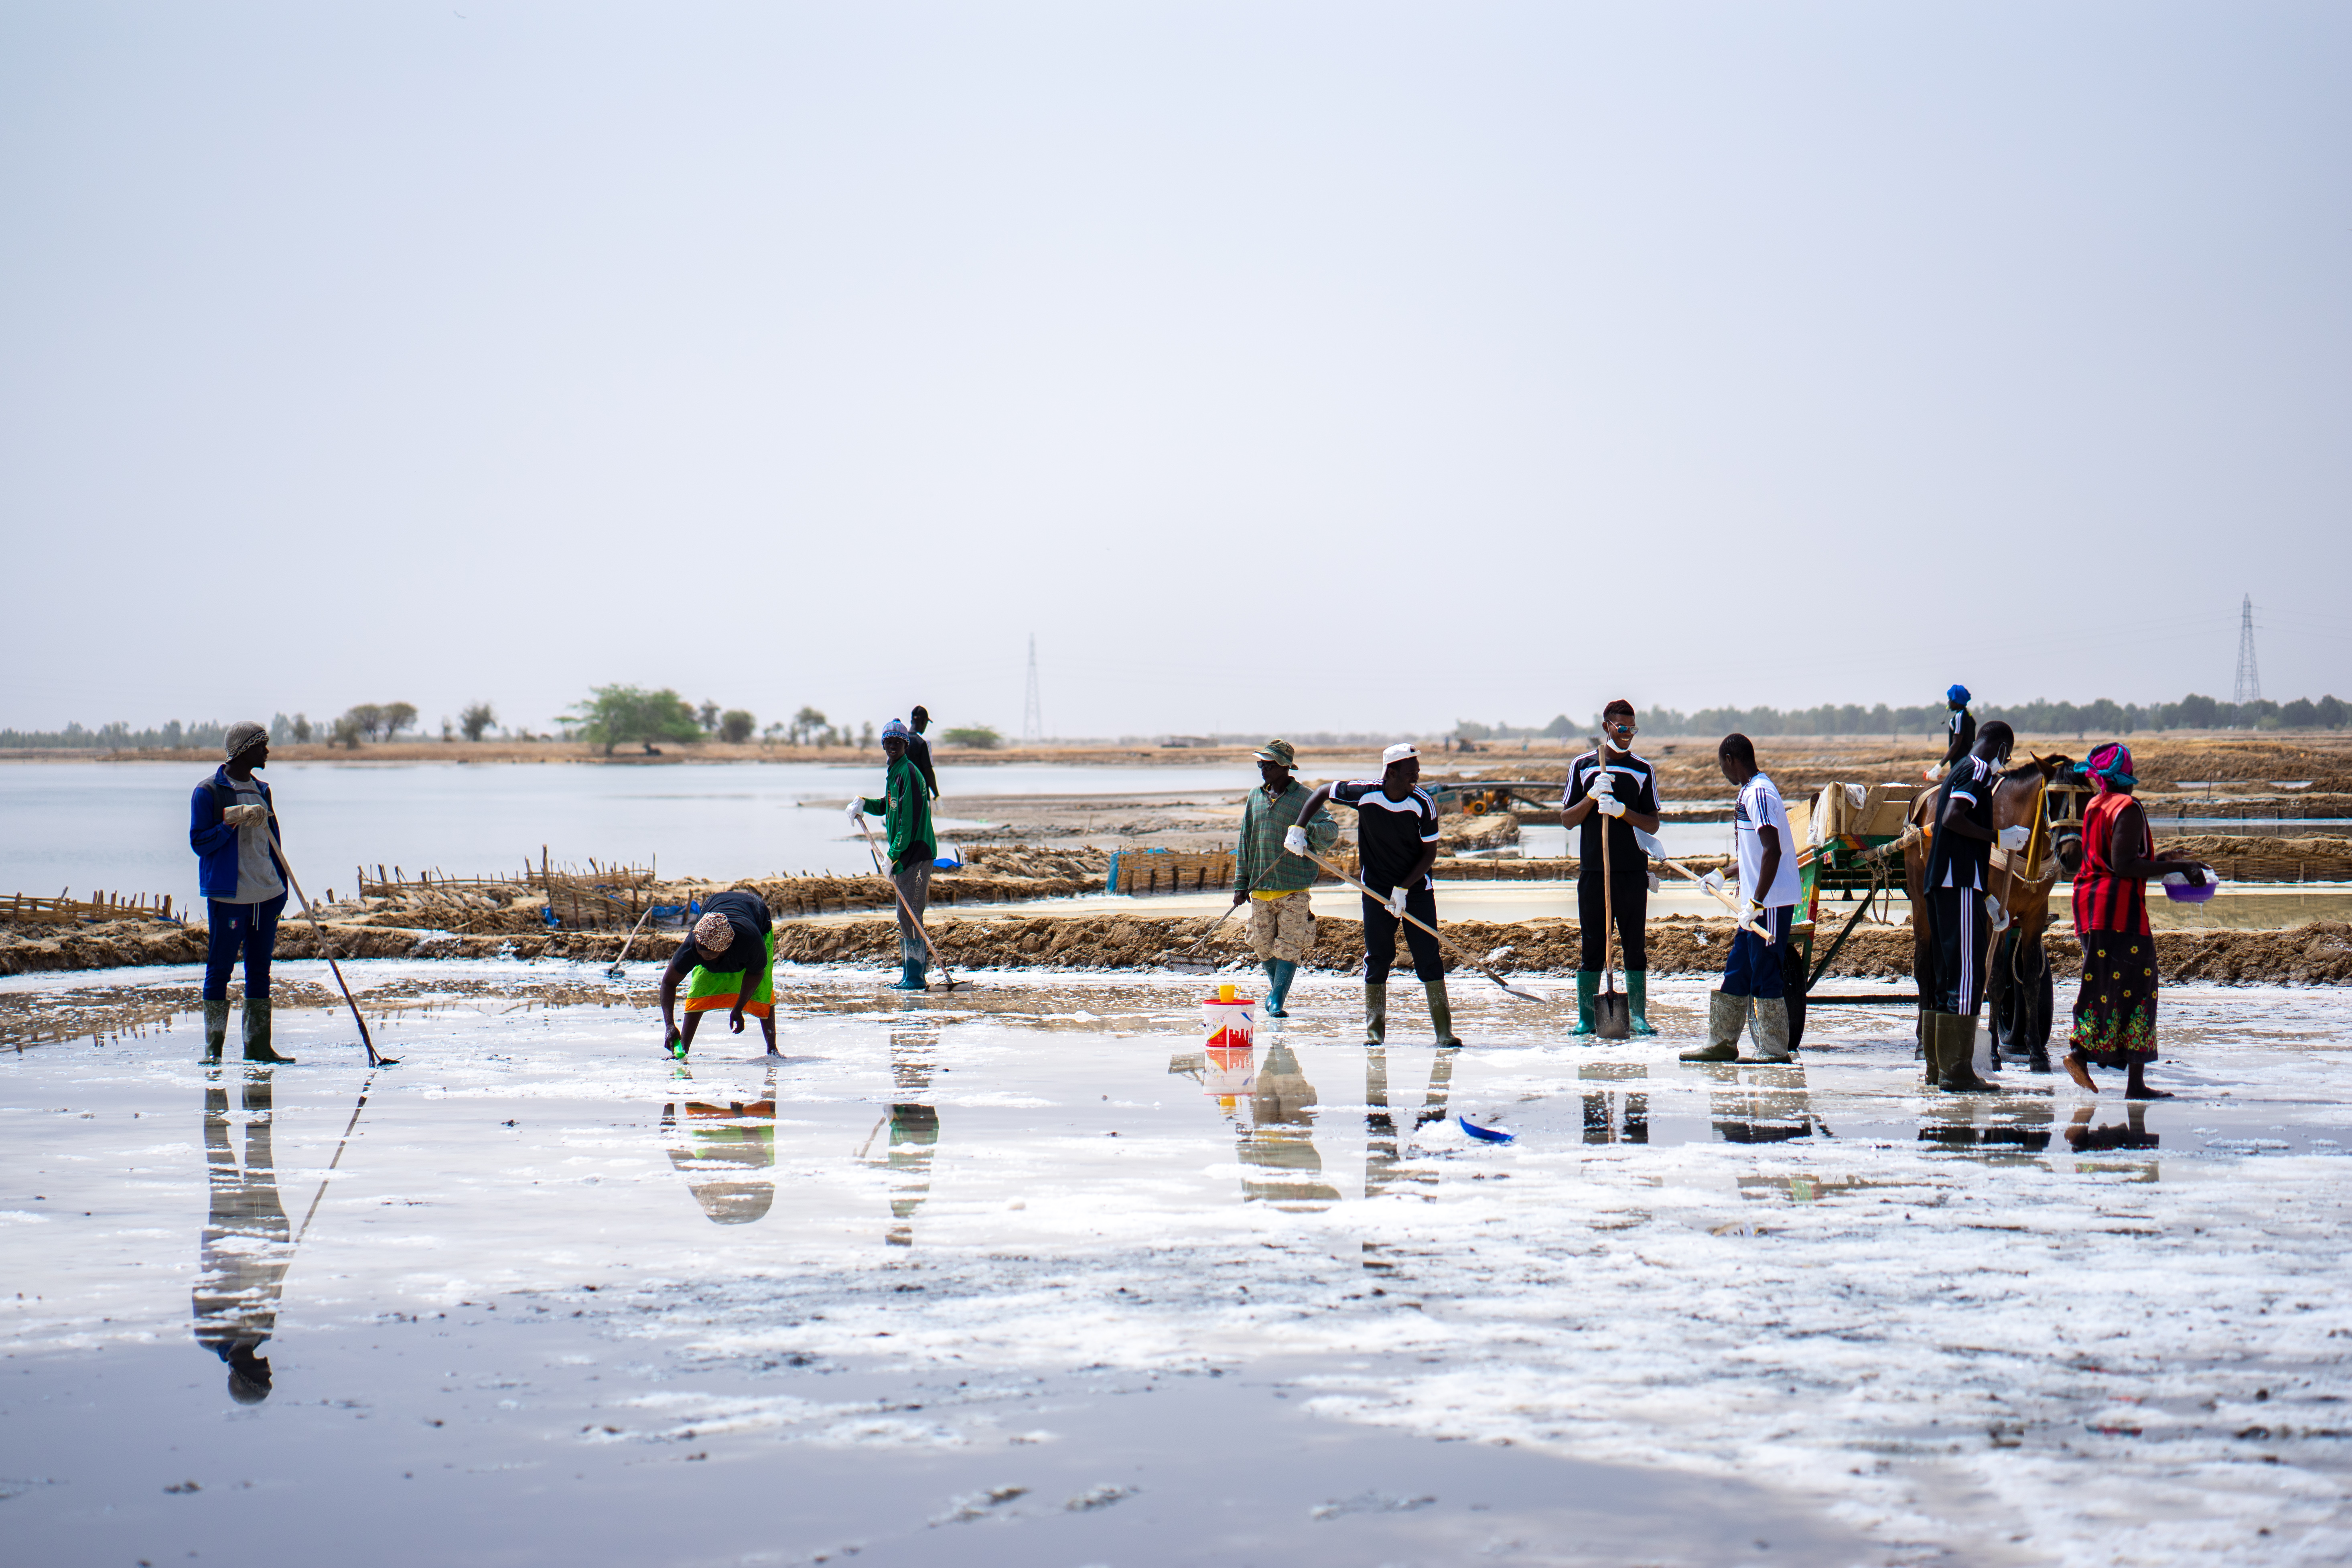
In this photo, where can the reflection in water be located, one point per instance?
(1613, 1117)
(914, 1129)
(1760, 1104)
(1383, 1152)
(1279, 1138)
(247, 1246)
(729, 1164)
(2001, 1131)
(2085, 1139)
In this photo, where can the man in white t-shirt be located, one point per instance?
(1767, 885)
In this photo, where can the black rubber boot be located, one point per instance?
(257, 1035)
(1440, 1014)
(216, 1029)
(1376, 1014)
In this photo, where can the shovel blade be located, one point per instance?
(1613, 1015)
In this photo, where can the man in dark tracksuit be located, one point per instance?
(1396, 840)
(233, 828)
(1623, 790)
(1956, 883)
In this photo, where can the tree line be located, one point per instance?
(2041, 717)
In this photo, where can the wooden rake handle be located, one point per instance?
(1442, 940)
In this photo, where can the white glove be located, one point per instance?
(1295, 838)
(1997, 912)
(1751, 912)
(1396, 903)
(1603, 787)
(857, 811)
(245, 815)
(1611, 807)
(1712, 881)
(2014, 839)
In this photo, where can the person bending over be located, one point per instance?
(728, 960)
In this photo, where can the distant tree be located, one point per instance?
(475, 718)
(624, 715)
(364, 718)
(398, 716)
(2332, 713)
(2195, 712)
(977, 737)
(865, 736)
(735, 726)
(805, 724)
(302, 729)
(707, 717)
(346, 732)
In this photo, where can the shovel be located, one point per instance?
(1442, 940)
(1612, 1011)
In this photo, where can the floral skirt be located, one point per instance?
(2114, 1016)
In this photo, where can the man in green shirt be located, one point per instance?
(1276, 884)
(905, 807)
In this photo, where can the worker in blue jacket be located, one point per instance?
(233, 831)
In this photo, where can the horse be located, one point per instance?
(2019, 989)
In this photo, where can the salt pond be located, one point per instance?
(1020, 1274)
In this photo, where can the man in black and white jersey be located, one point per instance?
(1623, 791)
(1958, 859)
(1396, 837)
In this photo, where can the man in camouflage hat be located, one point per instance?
(1276, 884)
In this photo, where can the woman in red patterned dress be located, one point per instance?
(2115, 1015)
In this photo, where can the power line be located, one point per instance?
(2248, 687)
(1033, 721)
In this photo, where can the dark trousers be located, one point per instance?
(1380, 938)
(240, 930)
(1755, 967)
(1632, 904)
(1955, 918)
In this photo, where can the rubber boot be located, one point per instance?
(257, 1035)
(2037, 1057)
(1725, 1017)
(1440, 1014)
(216, 1029)
(1637, 1000)
(1588, 985)
(1376, 1014)
(910, 976)
(1280, 974)
(1959, 1046)
(1771, 1027)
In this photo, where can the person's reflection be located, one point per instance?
(1761, 1105)
(1279, 1137)
(1384, 1151)
(1969, 1123)
(2084, 1138)
(247, 1245)
(1606, 1120)
(914, 1129)
(727, 1165)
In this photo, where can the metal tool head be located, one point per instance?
(1613, 1015)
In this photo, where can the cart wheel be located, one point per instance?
(1793, 989)
(1474, 806)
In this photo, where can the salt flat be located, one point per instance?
(1020, 1274)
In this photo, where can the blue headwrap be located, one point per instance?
(1958, 696)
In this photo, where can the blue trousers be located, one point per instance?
(240, 930)
(1754, 968)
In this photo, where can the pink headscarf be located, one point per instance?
(2109, 767)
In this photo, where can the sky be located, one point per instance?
(1277, 367)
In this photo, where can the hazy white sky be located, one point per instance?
(1281, 366)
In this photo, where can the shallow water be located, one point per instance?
(123, 827)
(1027, 1261)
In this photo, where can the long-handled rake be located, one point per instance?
(1478, 964)
(328, 954)
(1185, 962)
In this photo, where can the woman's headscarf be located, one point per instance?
(2109, 767)
(713, 933)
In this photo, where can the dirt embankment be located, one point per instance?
(2317, 954)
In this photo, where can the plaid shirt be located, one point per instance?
(1264, 821)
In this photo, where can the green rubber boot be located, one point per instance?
(1440, 1014)
(216, 1029)
(1637, 1000)
(1376, 1014)
(1726, 1017)
(257, 1035)
(910, 976)
(1588, 985)
(1280, 974)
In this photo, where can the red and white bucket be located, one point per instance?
(1231, 1020)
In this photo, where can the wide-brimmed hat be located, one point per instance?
(1398, 752)
(242, 734)
(1277, 751)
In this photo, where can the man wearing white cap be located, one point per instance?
(233, 831)
(1396, 838)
